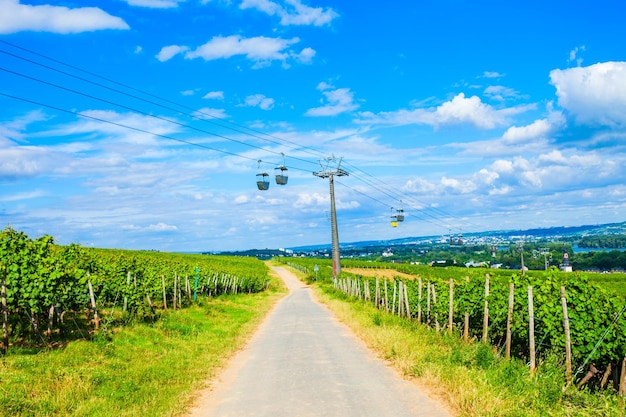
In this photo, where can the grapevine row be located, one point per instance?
(458, 300)
(45, 287)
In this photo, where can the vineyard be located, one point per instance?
(52, 294)
(522, 316)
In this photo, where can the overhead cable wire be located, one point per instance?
(389, 194)
(406, 200)
(147, 114)
(278, 141)
(136, 129)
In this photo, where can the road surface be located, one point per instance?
(302, 362)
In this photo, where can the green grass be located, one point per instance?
(472, 379)
(140, 370)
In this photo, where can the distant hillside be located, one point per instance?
(549, 233)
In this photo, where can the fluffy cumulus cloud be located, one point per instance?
(214, 95)
(260, 101)
(594, 95)
(17, 17)
(292, 12)
(337, 100)
(261, 50)
(459, 110)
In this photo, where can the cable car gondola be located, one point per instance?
(281, 173)
(262, 179)
(394, 221)
(400, 215)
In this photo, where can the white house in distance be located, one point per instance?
(566, 266)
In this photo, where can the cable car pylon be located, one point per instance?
(331, 169)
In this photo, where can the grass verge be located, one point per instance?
(470, 378)
(147, 370)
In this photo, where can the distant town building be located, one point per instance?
(566, 266)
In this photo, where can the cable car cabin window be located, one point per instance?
(281, 175)
(263, 181)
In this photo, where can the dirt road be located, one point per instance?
(302, 362)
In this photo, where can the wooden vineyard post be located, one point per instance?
(125, 308)
(466, 327)
(400, 299)
(164, 292)
(509, 320)
(568, 342)
(174, 301)
(377, 295)
(622, 379)
(486, 312)
(419, 300)
(93, 303)
(406, 301)
(436, 312)
(531, 330)
(393, 302)
(386, 297)
(466, 323)
(428, 304)
(451, 307)
(5, 314)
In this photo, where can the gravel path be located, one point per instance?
(302, 362)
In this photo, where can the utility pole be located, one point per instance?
(331, 169)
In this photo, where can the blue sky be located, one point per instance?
(139, 123)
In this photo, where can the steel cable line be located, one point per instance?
(382, 203)
(136, 129)
(147, 114)
(402, 198)
(278, 141)
(405, 200)
(441, 223)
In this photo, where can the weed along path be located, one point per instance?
(302, 362)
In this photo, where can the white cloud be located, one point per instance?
(214, 95)
(459, 110)
(594, 95)
(26, 195)
(162, 227)
(261, 50)
(538, 129)
(16, 17)
(293, 13)
(338, 100)
(168, 52)
(210, 113)
(500, 93)
(260, 101)
(492, 74)
(573, 55)
(155, 4)
(305, 56)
